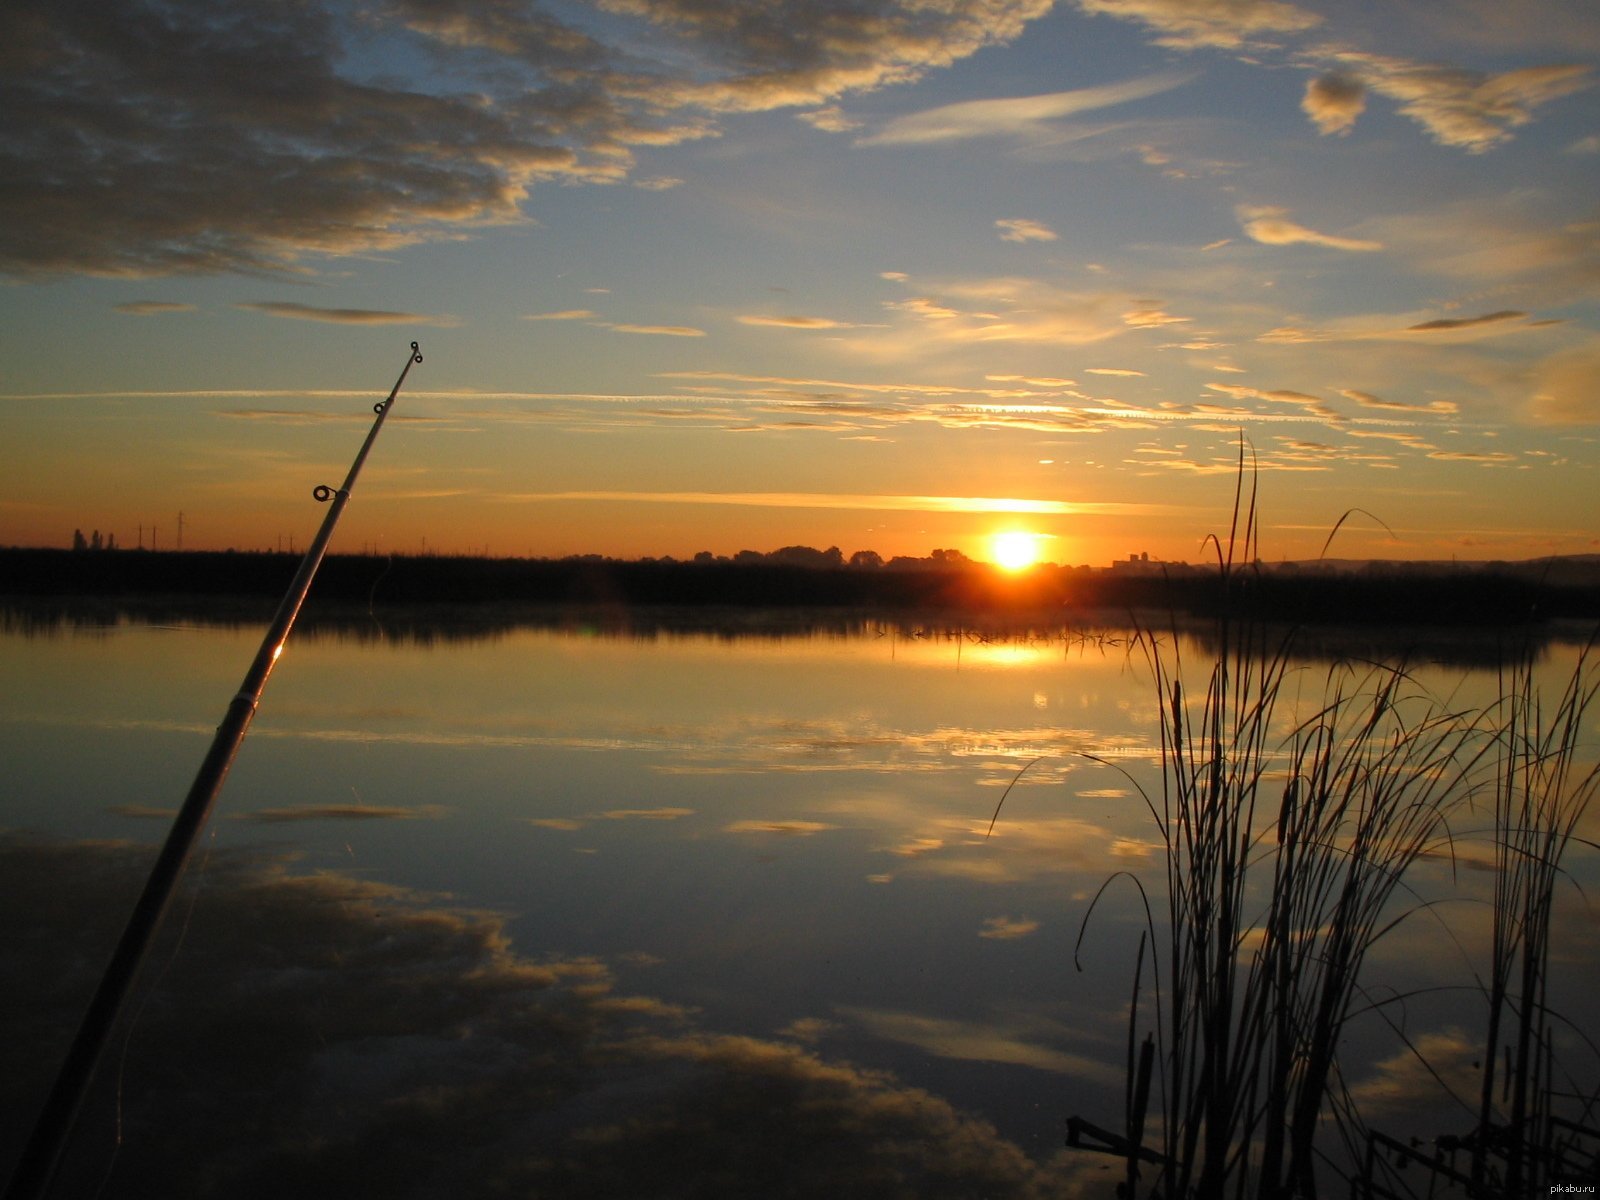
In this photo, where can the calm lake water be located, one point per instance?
(556, 911)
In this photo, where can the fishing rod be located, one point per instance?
(41, 1157)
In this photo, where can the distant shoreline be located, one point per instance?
(1490, 595)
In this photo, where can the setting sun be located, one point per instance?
(1015, 550)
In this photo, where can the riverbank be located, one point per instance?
(1496, 595)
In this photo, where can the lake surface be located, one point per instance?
(580, 909)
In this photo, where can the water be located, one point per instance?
(565, 909)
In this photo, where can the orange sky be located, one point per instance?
(934, 275)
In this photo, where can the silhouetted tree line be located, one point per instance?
(801, 577)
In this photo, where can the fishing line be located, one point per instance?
(199, 873)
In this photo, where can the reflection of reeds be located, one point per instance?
(1282, 863)
(1287, 840)
(1540, 795)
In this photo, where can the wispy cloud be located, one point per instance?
(1467, 109)
(1187, 25)
(993, 1040)
(343, 812)
(1498, 244)
(1150, 316)
(1002, 309)
(686, 331)
(1405, 327)
(1368, 400)
(566, 314)
(1005, 929)
(345, 316)
(153, 308)
(1450, 324)
(831, 119)
(796, 322)
(1020, 229)
(1566, 386)
(781, 827)
(1271, 226)
(1313, 405)
(1017, 116)
(870, 503)
(646, 814)
(1491, 458)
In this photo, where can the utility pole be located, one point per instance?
(180, 529)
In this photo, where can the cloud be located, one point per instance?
(869, 503)
(1019, 116)
(345, 316)
(1405, 327)
(1313, 405)
(1436, 1069)
(646, 814)
(1566, 387)
(151, 138)
(793, 322)
(1495, 458)
(803, 52)
(1007, 929)
(1020, 229)
(152, 308)
(1024, 1043)
(999, 309)
(1453, 323)
(1271, 227)
(379, 1041)
(1242, 392)
(1368, 400)
(786, 828)
(342, 812)
(568, 314)
(831, 119)
(1334, 101)
(1499, 244)
(1040, 381)
(655, 330)
(1458, 107)
(1224, 24)
(1150, 316)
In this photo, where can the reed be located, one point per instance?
(1286, 839)
(1285, 857)
(1540, 795)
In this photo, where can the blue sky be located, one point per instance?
(693, 275)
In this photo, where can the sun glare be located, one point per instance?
(1014, 550)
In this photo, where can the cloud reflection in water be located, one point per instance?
(321, 1035)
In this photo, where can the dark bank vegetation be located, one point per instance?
(796, 577)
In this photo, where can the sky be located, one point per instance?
(695, 275)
